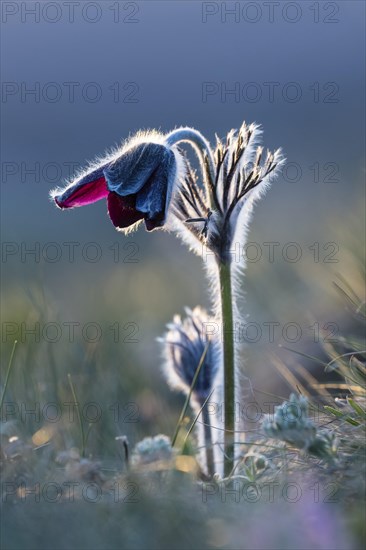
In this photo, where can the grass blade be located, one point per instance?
(188, 398)
(196, 418)
(341, 415)
(8, 374)
(79, 415)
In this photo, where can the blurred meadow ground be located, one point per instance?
(130, 304)
(169, 506)
(139, 282)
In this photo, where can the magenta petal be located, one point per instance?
(122, 210)
(85, 193)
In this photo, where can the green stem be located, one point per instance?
(207, 435)
(208, 442)
(227, 319)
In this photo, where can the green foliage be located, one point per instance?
(291, 423)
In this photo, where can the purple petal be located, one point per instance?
(155, 223)
(129, 173)
(89, 189)
(122, 211)
(154, 198)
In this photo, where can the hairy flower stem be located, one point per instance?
(201, 147)
(208, 442)
(229, 364)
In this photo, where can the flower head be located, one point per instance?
(152, 449)
(291, 423)
(137, 180)
(219, 214)
(184, 345)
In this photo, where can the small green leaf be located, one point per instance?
(339, 414)
(356, 407)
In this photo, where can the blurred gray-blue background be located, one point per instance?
(79, 77)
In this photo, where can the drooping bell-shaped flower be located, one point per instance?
(137, 181)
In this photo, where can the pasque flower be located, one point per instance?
(148, 179)
(188, 347)
(218, 215)
(215, 216)
(184, 345)
(137, 180)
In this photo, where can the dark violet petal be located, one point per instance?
(154, 198)
(122, 211)
(89, 189)
(129, 173)
(155, 223)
